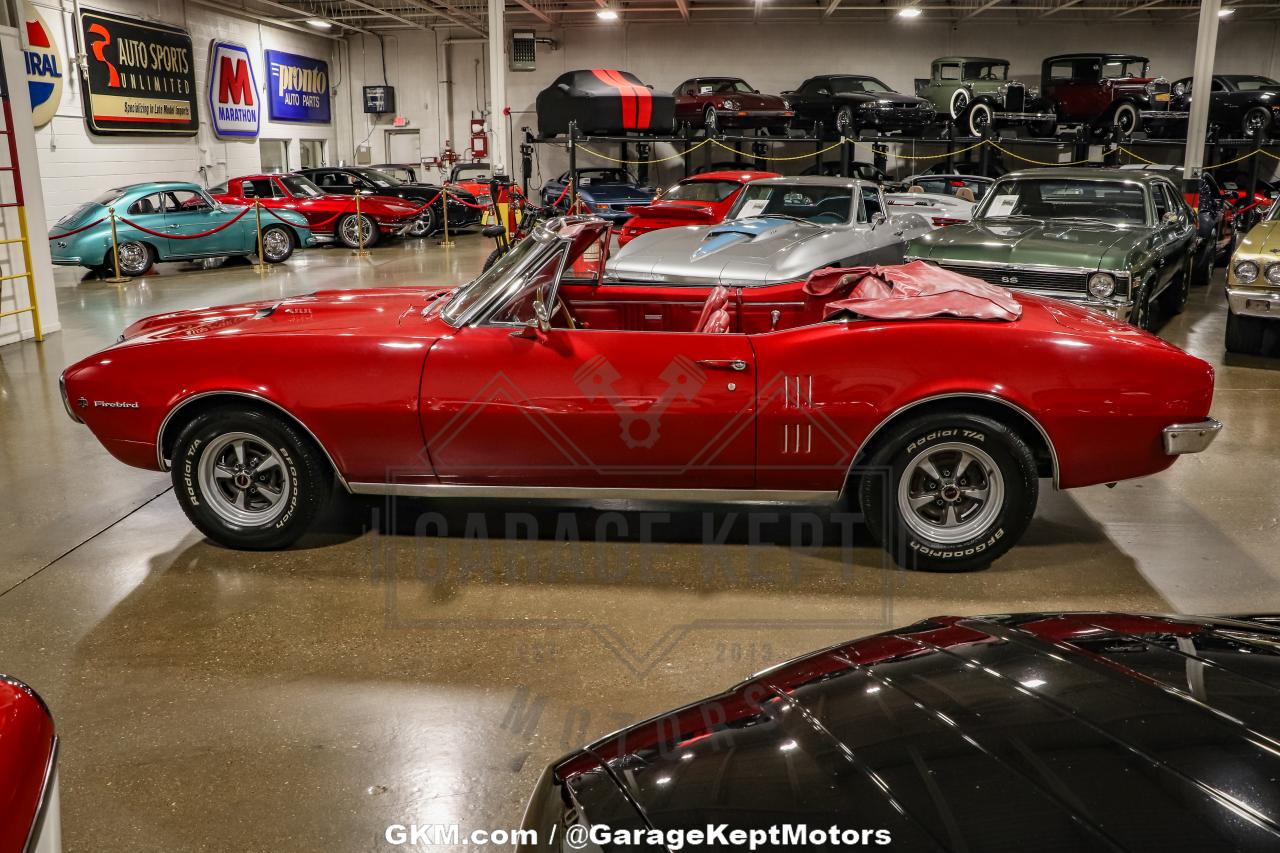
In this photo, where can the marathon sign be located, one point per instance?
(44, 67)
(297, 88)
(140, 77)
(233, 91)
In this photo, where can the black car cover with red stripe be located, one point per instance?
(604, 101)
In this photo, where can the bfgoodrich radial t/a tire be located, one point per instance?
(960, 492)
(249, 480)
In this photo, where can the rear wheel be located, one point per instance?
(249, 480)
(136, 258)
(425, 224)
(1254, 120)
(352, 230)
(277, 244)
(959, 101)
(979, 118)
(960, 492)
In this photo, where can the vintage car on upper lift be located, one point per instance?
(730, 103)
(1064, 732)
(32, 819)
(847, 104)
(702, 199)
(1253, 289)
(1105, 90)
(609, 193)
(976, 92)
(538, 379)
(779, 229)
(329, 216)
(603, 101)
(348, 180)
(1239, 104)
(169, 221)
(1116, 241)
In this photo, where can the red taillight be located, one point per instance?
(943, 221)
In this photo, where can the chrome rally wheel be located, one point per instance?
(277, 244)
(244, 480)
(135, 258)
(950, 493)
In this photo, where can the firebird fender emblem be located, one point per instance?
(597, 379)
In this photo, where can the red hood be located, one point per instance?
(330, 311)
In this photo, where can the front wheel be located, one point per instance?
(844, 121)
(1254, 120)
(1173, 300)
(136, 258)
(1126, 118)
(710, 121)
(277, 244)
(1202, 264)
(356, 231)
(492, 259)
(249, 480)
(961, 491)
(1247, 335)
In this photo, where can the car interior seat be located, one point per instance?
(714, 318)
(915, 188)
(965, 194)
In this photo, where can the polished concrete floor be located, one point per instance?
(218, 700)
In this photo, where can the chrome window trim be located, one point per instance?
(164, 463)
(971, 395)
(514, 287)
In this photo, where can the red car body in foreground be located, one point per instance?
(29, 807)
(698, 200)
(329, 215)
(541, 379)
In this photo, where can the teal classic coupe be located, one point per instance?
(1119, 241)
(170, 221)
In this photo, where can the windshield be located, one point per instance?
(479, 289)
(586, 177)
(986, 71)
(951, 185)
(108, 197)
(478, 172)
(854, 85)
(701, 191)
(300, 186)
(1124, 68)
(723, 87)
(817, 204)
(1253, 84)
(380, 178)
(1113, 202)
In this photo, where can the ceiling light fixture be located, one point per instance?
(604, 13)
(909, 12)
(319, 23)
(1224, 13)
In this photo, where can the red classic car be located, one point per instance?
(699, 200)
(332, 216)
(716, 103)
(30, 820)
(472, 177)
(540, 378)
(1102, 90)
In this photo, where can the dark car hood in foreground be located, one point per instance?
(1027, 241)
(1070, 732)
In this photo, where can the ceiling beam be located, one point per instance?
(831, 7)
(272, 4)
(546, 19)
(683, 6)
(1056, 9)
(984, 7)
(263, 18)
(451, 13)
(1140, 7)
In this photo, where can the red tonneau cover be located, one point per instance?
(912, 291)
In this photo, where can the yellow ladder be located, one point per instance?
(23, 236)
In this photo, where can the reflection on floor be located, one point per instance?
(211, 699)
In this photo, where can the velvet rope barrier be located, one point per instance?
(173, 236)
(78, 230)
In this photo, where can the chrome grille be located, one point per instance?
(1015, 98)
(1022, 279)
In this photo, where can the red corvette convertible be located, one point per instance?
(541, 379)
(699, 200)
(332, 216)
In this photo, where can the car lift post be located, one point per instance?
(1081, 152)
(760, 149)
(845, 146)
(643, 151)
(984, 153)
(1259, 139)
(949, 133)
(817, 146)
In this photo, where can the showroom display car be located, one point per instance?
(31, 816)
(348, 180)
(1114, 240)
(847, 104)
(701, 199)
(977, 94)
(540, 379)
(168, 221)
(779, 229)
(608, 193)
(941, 209)
(330, 216)
(1239, 104)
(1105, 90)
(1253, 289)
(713, 104)
(473, 178)
(1039, 731)
(603, 101)
(945, 184)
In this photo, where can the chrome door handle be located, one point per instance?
(722, 363)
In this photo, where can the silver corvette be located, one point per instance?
(779, 229)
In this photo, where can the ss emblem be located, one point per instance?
(1008, 279)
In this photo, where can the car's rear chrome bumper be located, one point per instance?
(1190, 438)
(1254, 302)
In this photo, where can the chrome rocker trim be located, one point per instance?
(1190, 438)
(459, 490)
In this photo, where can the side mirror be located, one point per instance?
(542, 317)
(878, 218)
(1172, 216)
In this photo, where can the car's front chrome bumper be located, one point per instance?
(1254, 301)
(1001, 115)
(66, 401)
(1190, 438)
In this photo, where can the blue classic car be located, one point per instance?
(607, 193)
(170, 221)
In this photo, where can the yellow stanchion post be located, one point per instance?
(444, 205)
(360, 251)
(115, 252)
(261, 264)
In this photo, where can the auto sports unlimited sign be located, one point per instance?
(233, 91)
(44, 67)
(140, 77)
(297, 88)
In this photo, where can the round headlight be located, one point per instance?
(1179, 88)
(1102, 285)
(1272, 274)
(1150, 88)
(730, 105)
(786, 105)
(1246, 272)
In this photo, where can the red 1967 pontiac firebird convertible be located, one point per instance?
(934, 405)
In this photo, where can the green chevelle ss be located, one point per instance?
(1117, 241)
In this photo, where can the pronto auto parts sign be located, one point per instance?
(297, 88)
(233, 90)
(44, 67)
(140, 77)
